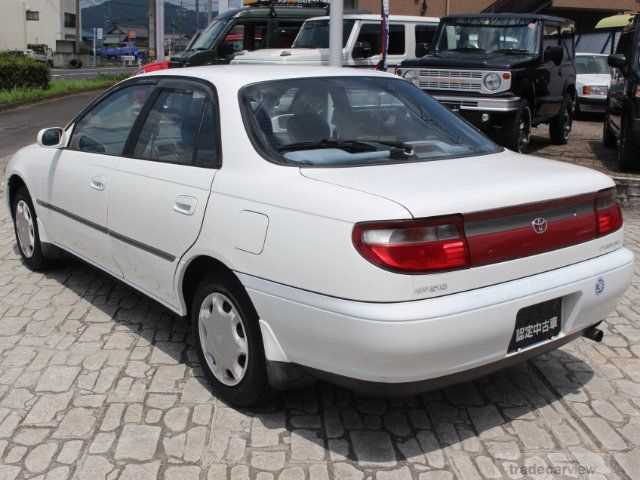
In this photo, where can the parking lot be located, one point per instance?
(99, 382)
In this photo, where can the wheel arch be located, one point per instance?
(195, 269)
(14, 183)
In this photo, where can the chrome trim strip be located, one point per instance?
(484, 104)
(134, 243)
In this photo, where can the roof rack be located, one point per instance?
(288, 3)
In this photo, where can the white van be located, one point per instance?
(409, 38)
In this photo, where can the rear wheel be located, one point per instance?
(561, 125)
(229, 341)
(517, 136)
(609, 140)
(626, 147)
(25, 224)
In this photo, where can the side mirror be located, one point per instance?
(618, 61)
(554, 54)
(422, 49)
(361, 50)
(51, 138)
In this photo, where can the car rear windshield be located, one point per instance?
(591, 64)
(488, 35)
(354, 121)
(315, 34)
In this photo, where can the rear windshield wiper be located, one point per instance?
(327, 143)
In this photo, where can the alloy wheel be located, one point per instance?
(223, 339)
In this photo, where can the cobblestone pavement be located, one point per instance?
(98, 382)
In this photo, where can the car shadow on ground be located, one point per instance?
(368, 430)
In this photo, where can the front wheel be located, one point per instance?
(517, 136)
(25, 224)
(228, 337)
(561, 125)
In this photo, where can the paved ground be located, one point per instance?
(98, 382)
(89, 72)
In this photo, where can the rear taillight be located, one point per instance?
(414, 246)
(154, 67)
(608, 213)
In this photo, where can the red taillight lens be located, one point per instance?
(155, 66)
(586, 90)
(608, 213)
(414, 246)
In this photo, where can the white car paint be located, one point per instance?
(286, 234)
(320, 56)
(592, 102)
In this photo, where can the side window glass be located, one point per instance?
(207, 144)
(285, 34)
(424, 39)
(551, 36)
(370, 35)
(245, 36)
(170, 132)
(396, 39)
(105, 129)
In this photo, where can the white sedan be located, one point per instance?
(324, 223)
(592, 82)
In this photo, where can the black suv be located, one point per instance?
(505, 73)
(248, 28)
(622, 124)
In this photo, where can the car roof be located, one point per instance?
(377, 18)
(522, 16)
(237, 76)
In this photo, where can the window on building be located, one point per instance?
(33, 16)
(69, 20)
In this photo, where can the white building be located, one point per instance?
(50, 22)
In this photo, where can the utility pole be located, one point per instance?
(78, 26)
(160, 30)
(209, 11)
(197, 15)
(151, 5)
(335, 33)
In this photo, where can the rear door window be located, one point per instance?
(371, 33)
(424, 38)
(246, 36)
(283, 34)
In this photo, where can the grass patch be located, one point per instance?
(57, 88)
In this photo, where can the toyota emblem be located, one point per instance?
(539, 225)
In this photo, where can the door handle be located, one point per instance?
(185, 204)
(97, 183)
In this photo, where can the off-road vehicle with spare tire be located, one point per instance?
(505, 73)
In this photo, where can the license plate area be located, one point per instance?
(536, 324)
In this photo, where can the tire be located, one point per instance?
(239, 374)
(517, 134)
(626, 148)
(25, 226)
(561, 125)
(609, 140)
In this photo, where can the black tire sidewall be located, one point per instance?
(557, 125)
(254, 387)
(625, 147)
(512, 137)
(37, 261)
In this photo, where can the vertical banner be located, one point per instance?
(384, 39)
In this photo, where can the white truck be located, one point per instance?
(409, 38)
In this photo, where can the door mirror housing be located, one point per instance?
(361, 50)
(554, 54)
(618, 61)
(51, 138)
(422, 49)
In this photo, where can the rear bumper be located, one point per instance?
(419, 342)
(593, 105)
